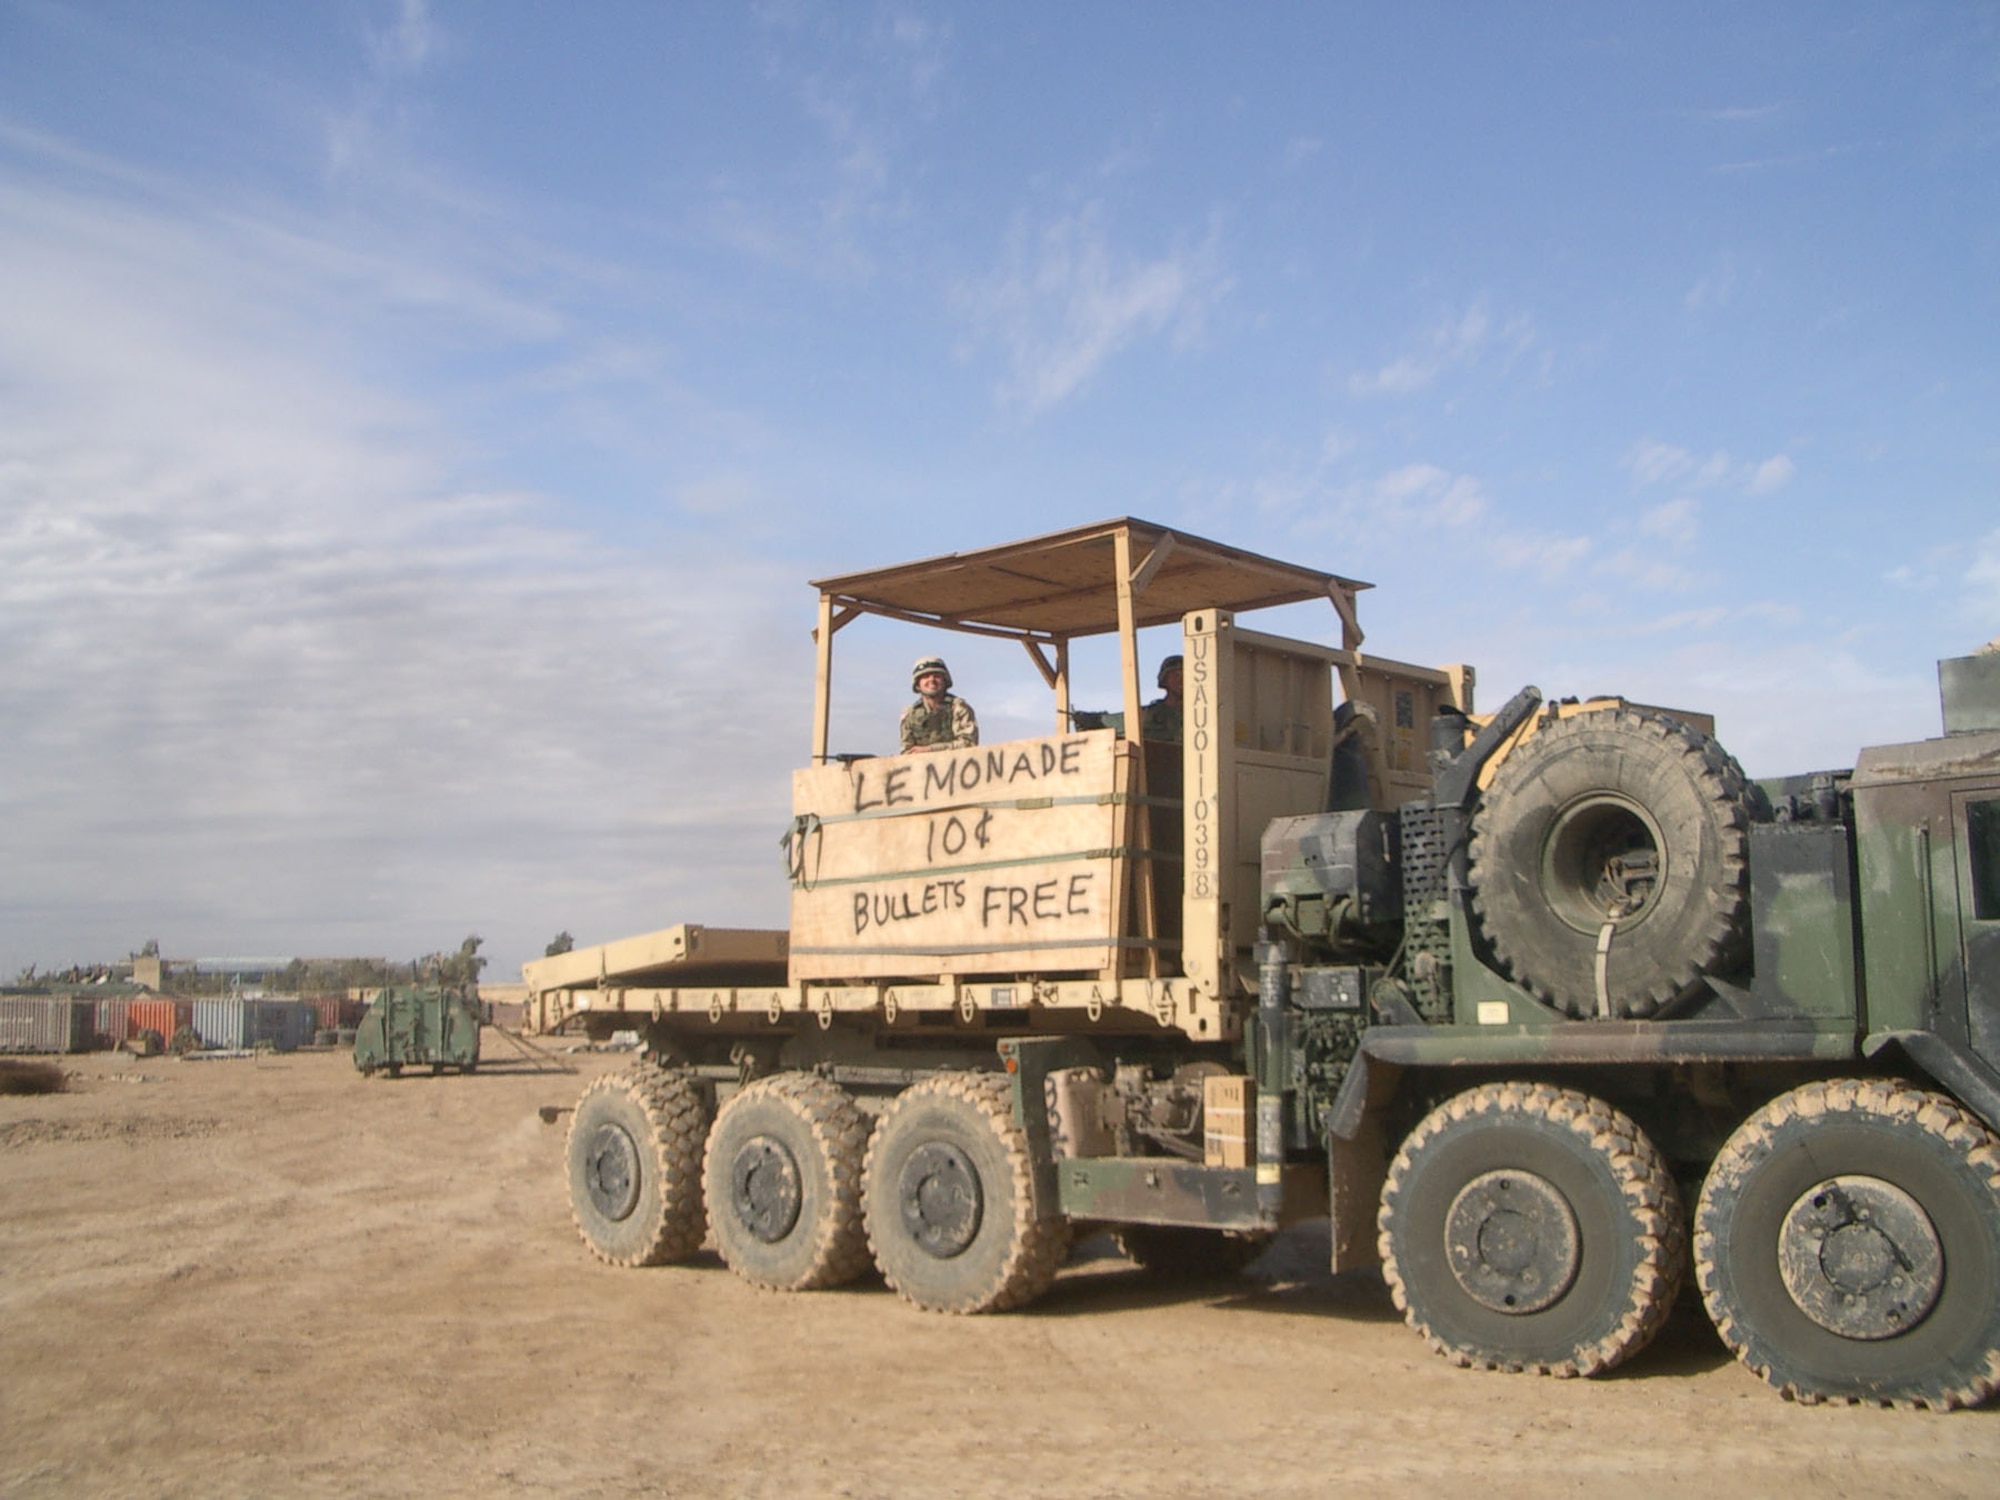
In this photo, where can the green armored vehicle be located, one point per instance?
(414, 1026)
(1544, 1010)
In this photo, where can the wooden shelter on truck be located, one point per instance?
(1086, 876)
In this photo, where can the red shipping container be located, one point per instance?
(164, 1016)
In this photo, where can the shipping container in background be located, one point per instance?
(337, 1012)
(245, 1024)
(111, 1024)
(40, 1023)
(163, 1016)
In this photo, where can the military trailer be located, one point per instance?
(1543, 1009)
(409, 1026)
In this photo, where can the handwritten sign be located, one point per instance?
(999, 858)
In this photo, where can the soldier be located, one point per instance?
(1159, 721)
(937, 720)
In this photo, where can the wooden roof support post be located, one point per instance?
(822, 679)
(1128, 632)
(1137, 811)
(1055, 674)
(1351, 635)
(1042, 665)
(1062, 684)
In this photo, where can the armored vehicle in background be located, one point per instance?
(1500, 995)
(409, 1026)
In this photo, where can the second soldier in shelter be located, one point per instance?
(1160, 720)
(937, 720)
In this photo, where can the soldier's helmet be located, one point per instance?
(930, 664)
(1171, 664)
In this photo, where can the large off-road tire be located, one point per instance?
(782, 1180)
(1189, 1254)
(947, 1195)
(635, 1167)
(1614, 817)
(1526, 1227)
(1847, 1242)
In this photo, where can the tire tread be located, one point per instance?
(1038, 1245)
(1718, 782)
(1961, 1132)
(1645, 1183)
(839, 1132)
(677, 1120)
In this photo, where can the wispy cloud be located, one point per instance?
(276, 675)
(398, 42)
(1742, 114)
(1066, 300)
(1455, 341)
(1772, 475)
(1547, 555)
(1713, 290)
(1654, 464)
(865, 80)
(1981, 606)
(1299, 150)
(1430, 494)
(405, 40)
(1677, 523)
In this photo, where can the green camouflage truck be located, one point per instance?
(413, 1026)
(1549, 1012)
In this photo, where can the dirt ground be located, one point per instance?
(269, 1276)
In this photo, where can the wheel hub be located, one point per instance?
(941, 1199)
(1861, 1258)
(1511, 1240)
(611, 1173)
(1604, 859)
(764, 1188)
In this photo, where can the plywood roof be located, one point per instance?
(1064, 585)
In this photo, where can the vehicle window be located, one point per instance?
(1983, 829)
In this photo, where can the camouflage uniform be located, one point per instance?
(951, 724)
(1160, 721)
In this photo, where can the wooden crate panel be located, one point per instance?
(1000, 858)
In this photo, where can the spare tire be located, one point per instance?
(1613, 817)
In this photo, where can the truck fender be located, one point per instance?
(1970, 1079)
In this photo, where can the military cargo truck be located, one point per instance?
(1543, 1009)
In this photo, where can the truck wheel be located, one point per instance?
(783, 1183)
(635, 1167)
(1847, 1242)
(947, 1195)
(1189, 1254)
(1526, 1227)
(1613, 817)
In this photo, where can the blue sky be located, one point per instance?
(418, 421)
